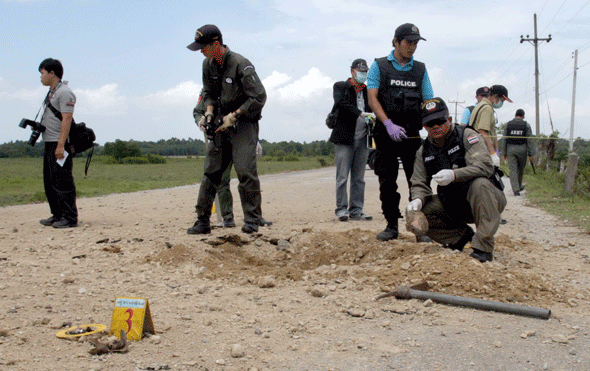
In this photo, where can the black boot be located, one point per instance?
(482, 256)
(459, 245)
(202, 226)
(389, 233)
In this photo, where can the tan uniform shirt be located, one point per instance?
(477, 159)
(482, 118)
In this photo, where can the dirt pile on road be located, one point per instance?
(358, 254)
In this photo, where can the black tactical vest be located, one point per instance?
(516, 132)
(451, 156)
(400, 94)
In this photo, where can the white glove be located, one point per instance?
(414, 205)
(258, 150)
(201, 123)
(444, 177)
(496, 159)
(365, 114)
(228, 121)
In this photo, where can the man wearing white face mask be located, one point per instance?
(456, 158)
(349, 136)
(483, 119)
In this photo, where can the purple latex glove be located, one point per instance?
(397, 133)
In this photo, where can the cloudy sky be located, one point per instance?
(128, 63)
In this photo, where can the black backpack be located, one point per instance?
(81, 137)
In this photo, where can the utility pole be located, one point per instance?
(456, 102)
(573, 102)
(535, 42)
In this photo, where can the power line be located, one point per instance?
(555, 15)
(575, 15)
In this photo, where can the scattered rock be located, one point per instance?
(283, 245)
(559, 339)
(237, 351)
(356, 312)
(267, 282)
(317, 293)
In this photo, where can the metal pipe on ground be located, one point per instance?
(402, 292)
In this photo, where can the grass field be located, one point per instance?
(22, 178)
(545, 190)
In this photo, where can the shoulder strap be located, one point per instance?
(56, 112)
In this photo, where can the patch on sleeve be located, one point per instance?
(472, 139)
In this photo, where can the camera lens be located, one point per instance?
(34, 136)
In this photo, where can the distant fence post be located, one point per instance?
(570, 173)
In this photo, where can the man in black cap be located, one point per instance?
(397, 86)
(483, 119)
(516, 145)
(456, 158)
(480, 93)
(233, 96)
(349, 136)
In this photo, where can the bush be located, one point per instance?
(134, 160)
(107, 160)
(291, 158)
(325, 161)
(155, 159)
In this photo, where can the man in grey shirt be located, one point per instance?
(57, 161)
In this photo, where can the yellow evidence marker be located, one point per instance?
(133, 316)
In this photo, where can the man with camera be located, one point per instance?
(60, 188)
(233, 96)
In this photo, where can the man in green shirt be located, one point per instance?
(233, 96)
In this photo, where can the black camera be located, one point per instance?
(35, 126)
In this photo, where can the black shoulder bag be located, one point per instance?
(80, 137)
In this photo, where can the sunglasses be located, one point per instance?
(433, 123)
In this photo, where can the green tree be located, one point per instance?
(121, 149)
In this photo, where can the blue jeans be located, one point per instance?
(351, 159)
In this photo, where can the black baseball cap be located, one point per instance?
(501, 91)
(360, 64)
(434, 109)
(483, 91)
(205, 35)
(408, 31)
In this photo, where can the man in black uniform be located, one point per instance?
(515, 147)
(397, 86)
(233, 96)
(456, 157)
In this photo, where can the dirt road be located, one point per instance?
(297, 296)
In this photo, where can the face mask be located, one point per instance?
(499, 104)
(361, 77)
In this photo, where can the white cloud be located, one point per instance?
(28, 95)
(105, 100)
(185, 94)
(308, 87)
(275, 80)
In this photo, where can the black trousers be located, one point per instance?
(237, 145)
(387, 170)
(59, 185)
